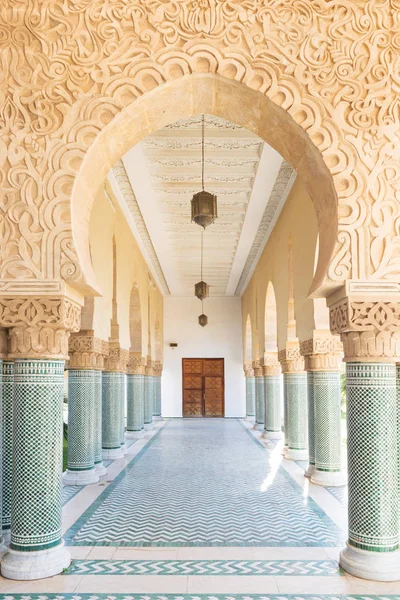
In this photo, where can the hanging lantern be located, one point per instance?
(204, 208)
(201, 290)
(204, 204)
(203, 320)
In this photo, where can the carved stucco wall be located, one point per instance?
(76, 77)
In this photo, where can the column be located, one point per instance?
(98, 452)
(157, 416)
(371, 342)
(113, 388)
(311, 425)
(272, 396)
(295, 397)
(148, 396)
(80, 466)
(135, 397)
(250, 392)
(122, 418)
(259, 397)
(7, 434)
(36, 548)
(3, 547)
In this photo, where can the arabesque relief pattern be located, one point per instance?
(69, 68)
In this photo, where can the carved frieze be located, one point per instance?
(117, 358)
(86, 351)
(136, 364)
(369, 330)
(323, 352)
(157, 368)
(270, 364)
(291, 360)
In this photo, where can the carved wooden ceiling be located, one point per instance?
(164, 171)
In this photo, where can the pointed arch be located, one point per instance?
(270, 320)
(135, 320)
(157, 342)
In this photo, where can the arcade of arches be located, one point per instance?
(100, 120)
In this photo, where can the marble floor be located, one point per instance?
(200, 510)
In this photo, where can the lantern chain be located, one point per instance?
(202, 152)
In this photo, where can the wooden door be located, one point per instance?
(203, 387)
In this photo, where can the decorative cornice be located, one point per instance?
(280, 191)
(127, 192)
(369, 330)
(323, 352)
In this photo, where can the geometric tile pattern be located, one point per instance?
(326, 388)
(36, 500)
(80, 420)
(146, 596)
(157, 396)
(297, 420)
(205, 567)
(97, 408)
(260, 402)
(311, 418)
(69, 491)
(135, 402)
(340, 493)
(273, 403)
(250, 396)
(199, 483)
(148, 399)
(8, 388)
(112, 390)
(372, 456)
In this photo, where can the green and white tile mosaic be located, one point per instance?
(327, 421)
(373, 478)
(148, 399)
(36, 496)
(97, 418)
(273, 403)
(186, 596)
(311, 420)
(259, 404)
(310, 568)
(157, 396)
(80, 420)
(7, 428)
(135, 402)
(250, 397)
(297, 420)
(112, 387)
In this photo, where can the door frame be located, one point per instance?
(202, 387)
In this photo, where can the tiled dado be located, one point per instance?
(205, 567)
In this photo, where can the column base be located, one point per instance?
(80, 477)
(100, 469)
(274, 435)
(328, 479)
(24, 566)
(112, 453)
(3, 547)
(284, 450)
(135, 435)
(157, 418)
(291, 454)
(375, 566)
(124, 449)
(7, 536)
(258, 426)
(250, 418)
(148, 426)
(309, 472)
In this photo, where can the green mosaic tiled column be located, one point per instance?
(373, 476)
(122, 412)
(273, 392)
(80, 466)
(296, 392)
(112, 386)
(157, 398)
(285, 413)
(2, 544)
(311, 429)
(327, 413)
(259, 403)
(37, 465)
(148, 402)
(250, 398)
(135, 396)
(98, 453)
(7, 434)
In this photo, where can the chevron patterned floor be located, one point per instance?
(203, 482)
(196, 597)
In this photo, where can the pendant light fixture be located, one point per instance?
(201, 289)
(204, 204)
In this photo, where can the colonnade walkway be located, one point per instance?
(198, 510)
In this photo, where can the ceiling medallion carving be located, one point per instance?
(124, 184)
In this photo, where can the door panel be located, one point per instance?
(203, 387)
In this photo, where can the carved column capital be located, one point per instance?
(87, 351)
(323, 352)
(117, 358)
(270, 364)
(157, 368)
(39, 326)
(149, 367)
(290, 359)
(257, 368)
(136, 364)
(248, 369)
(369, 329)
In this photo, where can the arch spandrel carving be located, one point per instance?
(330, 67)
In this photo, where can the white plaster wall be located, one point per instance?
(221, 338)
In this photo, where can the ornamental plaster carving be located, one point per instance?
(323, 352)
(136, 364)
(369, 330)
(277, 198)
(291, 360)
(117, 358)
(157, 368)
(257, 368)
(127, 192)
(39, 327)
(270, 364)
(86, 351)
(248, 369)
(70, 68)
(149, 367)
